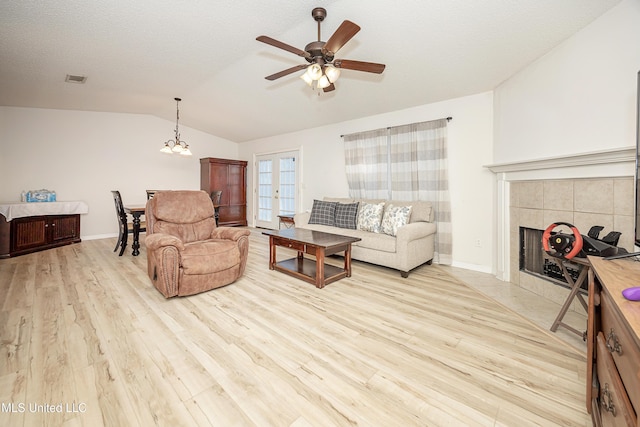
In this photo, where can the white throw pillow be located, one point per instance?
(395, 217)
(369, 216)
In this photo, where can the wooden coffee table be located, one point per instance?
(314, 243)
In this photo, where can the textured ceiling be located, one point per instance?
(139, 55)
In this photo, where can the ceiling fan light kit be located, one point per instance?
(323, 70)
(331, 72)
(314, 71)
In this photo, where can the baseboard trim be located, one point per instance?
(472, 267)
(99, 236)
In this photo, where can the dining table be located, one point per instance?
(136, 212)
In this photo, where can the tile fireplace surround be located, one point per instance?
(584, 190)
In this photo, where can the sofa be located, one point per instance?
(395, 234)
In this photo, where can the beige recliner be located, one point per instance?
(186, 252)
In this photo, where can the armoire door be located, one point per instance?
(228, 176)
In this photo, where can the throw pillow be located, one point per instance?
(347, 215)
(395, 217)
(370, 216)
(323, 213)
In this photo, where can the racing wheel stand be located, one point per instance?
(561, 248)
(585, 271)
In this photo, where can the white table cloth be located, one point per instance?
(19, 210)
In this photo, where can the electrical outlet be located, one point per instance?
(478, 243)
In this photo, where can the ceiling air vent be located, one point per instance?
(75, 79)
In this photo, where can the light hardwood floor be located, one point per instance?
(84, 331)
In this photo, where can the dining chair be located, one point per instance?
(151, 193)
(216, 196)
(124, 226)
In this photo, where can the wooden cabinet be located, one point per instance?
(613, 347)
(36, 233)
(230, 176)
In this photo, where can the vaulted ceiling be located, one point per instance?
(139, 55)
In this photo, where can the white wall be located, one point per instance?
(580, 97)
(470, 147)
(84, 155)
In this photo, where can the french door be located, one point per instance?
(277, 187)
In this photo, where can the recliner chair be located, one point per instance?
(186, 252)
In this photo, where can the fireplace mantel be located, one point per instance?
(606, 163)
(613, 163)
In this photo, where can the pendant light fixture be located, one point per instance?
(175, 145)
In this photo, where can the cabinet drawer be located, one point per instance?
(623, 348)
(296, 246)
(615, 407)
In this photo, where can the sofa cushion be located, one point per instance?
(187, 215)
(209, 256)
(420, 210)
(393, 218)
(188, 232)
(323, 213)
(370, 216)
(170, 206)
(338, 199)
(347, 215)
(375, 241)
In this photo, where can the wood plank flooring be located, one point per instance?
(88, 341)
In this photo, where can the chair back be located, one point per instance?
(188, 215)
(122, 215)
(216, 196)
(151, 193)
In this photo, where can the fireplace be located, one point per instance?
(535, 261)
(582, 189)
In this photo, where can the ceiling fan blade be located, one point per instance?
(279, 44)
(286, 72)
(369, 67)
(329, 88)
(343, 34)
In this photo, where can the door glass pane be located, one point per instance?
(287, 185)
(265, 168)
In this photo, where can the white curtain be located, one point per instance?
(366, 158)
(419, 171)
(406, 163)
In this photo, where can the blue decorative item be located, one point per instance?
(41, 196)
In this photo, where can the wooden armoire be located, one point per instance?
(230, 176)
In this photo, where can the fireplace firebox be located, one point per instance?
(535, 261)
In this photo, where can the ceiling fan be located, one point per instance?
(323, 70)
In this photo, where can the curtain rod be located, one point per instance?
(389, 127)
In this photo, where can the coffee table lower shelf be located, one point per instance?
(305, 269)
